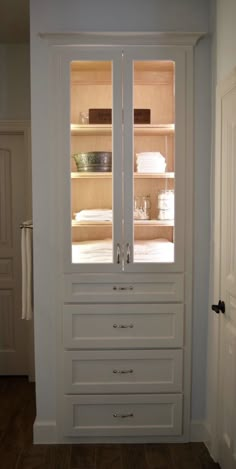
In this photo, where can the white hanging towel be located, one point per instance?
(27, 271)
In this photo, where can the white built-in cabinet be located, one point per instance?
(126, 280)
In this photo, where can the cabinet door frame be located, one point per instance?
(61, 60)
(178, 56)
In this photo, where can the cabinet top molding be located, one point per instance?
(122, 38)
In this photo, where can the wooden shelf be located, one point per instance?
(150, 223)
(101, 129)
(154, 223)
(99, 175)
(170, 175)
(90, 129)
(90, 224)
(92, 175)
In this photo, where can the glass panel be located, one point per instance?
(154, 160)
(91, 162)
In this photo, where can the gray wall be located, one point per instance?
(122, 15)
(129, 15)
(14, 82)
(226, 38)
(202, 166)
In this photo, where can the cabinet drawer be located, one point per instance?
(127, 288)
(123, 415)
(127, 371)
(123, 326)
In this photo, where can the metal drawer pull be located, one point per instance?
(123, 326)
(123, 288)
(123, 371)
(123, 416)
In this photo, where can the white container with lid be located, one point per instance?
(165, 205)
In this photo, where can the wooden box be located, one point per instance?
(104, 116)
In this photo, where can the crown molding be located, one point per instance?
(122, 38)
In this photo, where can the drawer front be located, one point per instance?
(123, 415)
(123, 326)
(126, 288)
(127, 371)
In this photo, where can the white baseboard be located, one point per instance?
(212, 444)
(199, 431)
(45, 432)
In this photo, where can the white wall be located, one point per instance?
(14, 82)
(111, 15)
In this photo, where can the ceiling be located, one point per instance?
(14, 15)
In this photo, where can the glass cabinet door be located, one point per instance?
(95, 159)
(154, 202)
(125, 154)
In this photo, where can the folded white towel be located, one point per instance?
(94, 215)
(150, 162)
(155, 168)
(27, 271)
(100, 251)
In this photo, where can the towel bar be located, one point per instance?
(24, 225)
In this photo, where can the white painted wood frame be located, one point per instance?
(181, 135)
(213, 391)
(55, 43)
(62, 59)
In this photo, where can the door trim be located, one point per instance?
(23, 127)
(213, 396)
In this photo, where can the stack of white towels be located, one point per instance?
(101, 214)
(100, 251)
(150, 162)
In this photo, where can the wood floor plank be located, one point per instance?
(58, 457)
(18, 427)
(13, 394)
(45, 457)
(9, 459)
(158, 456)
(82, 456)
(33, 457)
(183, 457)
(201, 454)
(133, 457)
(108, 457)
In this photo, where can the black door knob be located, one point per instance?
(219, 307)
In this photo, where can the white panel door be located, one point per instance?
(227, 389)
(13, 331)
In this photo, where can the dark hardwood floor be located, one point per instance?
(17, 413)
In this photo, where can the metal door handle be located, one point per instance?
(118, 253)
(123, 371)
(219, 307)
(123, 416)
(128, 253)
